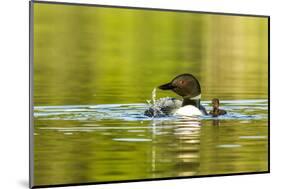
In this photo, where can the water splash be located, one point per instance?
(155, 109)
(161, 107)
(153, 96)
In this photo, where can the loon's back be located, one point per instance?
(163, 107)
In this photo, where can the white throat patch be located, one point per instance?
(198, 97)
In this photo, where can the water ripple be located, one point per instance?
(237, 109)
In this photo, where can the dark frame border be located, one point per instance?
(31, 105)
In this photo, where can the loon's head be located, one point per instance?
(185, 85)
(216, 103)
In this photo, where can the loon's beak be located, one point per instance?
(167, 86)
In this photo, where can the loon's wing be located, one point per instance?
(163, 107)
(222, 112)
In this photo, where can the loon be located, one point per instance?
(216, 111)
(186, 86)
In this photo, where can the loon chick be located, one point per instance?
(188, 87)
(216, 111)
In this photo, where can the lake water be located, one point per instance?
(93, 74)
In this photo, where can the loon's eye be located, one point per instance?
(182, 82)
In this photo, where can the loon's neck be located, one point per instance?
(215, 110)
(188, 101)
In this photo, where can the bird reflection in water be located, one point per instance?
(216, 122)
(182, 151)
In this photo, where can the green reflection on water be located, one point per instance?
(104, 55)
(90, 55)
